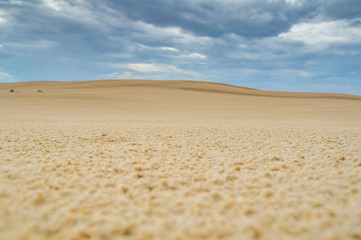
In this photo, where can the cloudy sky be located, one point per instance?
(290, 45)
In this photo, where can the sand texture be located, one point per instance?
(137, 159)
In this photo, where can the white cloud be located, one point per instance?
(78, 10)
(323, 34)
(17, 2)
(124, 75)
(192, 56)
(150, 71)
(169, 49)
(195, 56)
(6, 77)
(147, 67)
(40, 44)
(3, 18)
(295, 2)
(56, 5)
(173, 34)
(150, 68)
(100, 16)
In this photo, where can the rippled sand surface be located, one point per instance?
(177, 160)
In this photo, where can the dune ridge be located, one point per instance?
(200, 86)
(175, 100)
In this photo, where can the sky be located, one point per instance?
(285, 45)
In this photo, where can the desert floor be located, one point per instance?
(135, 159)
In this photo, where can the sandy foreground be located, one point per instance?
(136, 159)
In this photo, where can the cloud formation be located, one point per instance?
(6, 77)
(324, 34)
(267, 44)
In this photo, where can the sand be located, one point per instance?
(135, 159)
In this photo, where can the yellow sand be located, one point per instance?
(177, 160)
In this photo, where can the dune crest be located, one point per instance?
(174, 101)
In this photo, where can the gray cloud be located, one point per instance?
(345, 9)
(214, 18)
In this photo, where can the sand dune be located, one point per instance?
(179, 101)
(136, 159)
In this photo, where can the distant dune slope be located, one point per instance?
(173, 100)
